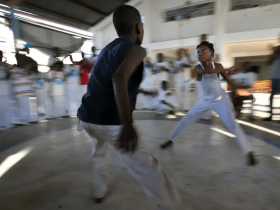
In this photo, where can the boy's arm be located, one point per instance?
(127, 140)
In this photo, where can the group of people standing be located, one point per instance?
(28, 95)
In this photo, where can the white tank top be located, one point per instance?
(211, 86)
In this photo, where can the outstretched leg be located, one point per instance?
(224, 109)
(192, 116)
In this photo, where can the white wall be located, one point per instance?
(258, 18)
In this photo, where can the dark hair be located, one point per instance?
(124, 19)
(203, 35)
(206, 44)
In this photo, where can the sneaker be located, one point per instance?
(251, 160)
(166, 144)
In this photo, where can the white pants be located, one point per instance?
(58, 106)
(24, 109)
(40, 99)
(183, 96)
(198, 93)
(141, 164)
(5, 112)
(224, 109)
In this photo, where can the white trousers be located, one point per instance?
(5, 112)
(183, 96)
(224, 109)
(141, 164)
(58, 106)
(198, 93)
(24, 109)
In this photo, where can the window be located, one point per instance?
(189, 11)
(246, 4)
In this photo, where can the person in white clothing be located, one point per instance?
(213, 98)
(198, 89)
(182, 81)
(162, 68)
(165, 100)
(146, 100)
(5, 110)
(57, 91)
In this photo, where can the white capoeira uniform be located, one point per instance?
(72, 96)
(23, 89)
(198, 90)
(40, 93)
(147, 101)
(163, 95)
(57, 94)
(5, 111)
(182, 82)
(213, 98)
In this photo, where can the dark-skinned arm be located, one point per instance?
(128, 138)
(229, 81)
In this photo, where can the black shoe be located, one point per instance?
(171, 112)
(251, 118)
(166, 144)
(99, 200)
(251, 160)
(268, 119)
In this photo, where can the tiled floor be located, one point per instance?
(207, 167)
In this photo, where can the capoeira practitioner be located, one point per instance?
(106, 113)
(213, 98)
(198, 89)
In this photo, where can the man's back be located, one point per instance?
(99, 104)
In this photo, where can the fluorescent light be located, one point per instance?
(32, 98)
(77, 37)
(11, 160)
(224, 132)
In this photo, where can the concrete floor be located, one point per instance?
(206, 166)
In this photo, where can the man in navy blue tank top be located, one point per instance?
(106, 112)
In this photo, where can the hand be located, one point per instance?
(128, 138)
(233, 70)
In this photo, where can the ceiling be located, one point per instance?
(81, 14)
